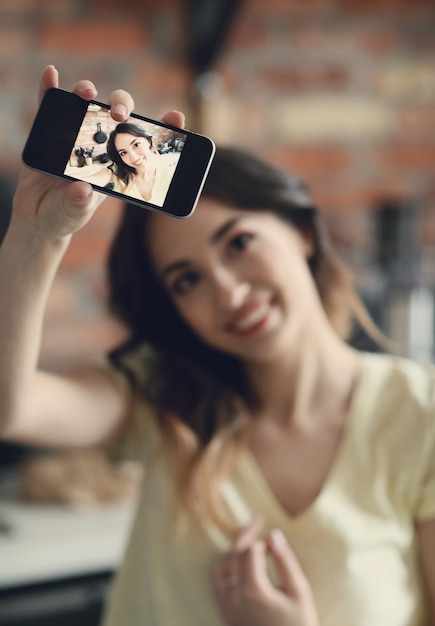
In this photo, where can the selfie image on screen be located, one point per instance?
(136, 158)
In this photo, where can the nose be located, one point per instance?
(230, 290)
(132, 155)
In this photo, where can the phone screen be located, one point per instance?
(142, 161)
(136, 158)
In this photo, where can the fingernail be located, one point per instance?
(278, 537)
(81, 194)
(120, 109)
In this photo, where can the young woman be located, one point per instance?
(137, 168)
(290, 480)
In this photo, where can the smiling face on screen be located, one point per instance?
(135, 152)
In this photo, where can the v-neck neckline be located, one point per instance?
(251, 470)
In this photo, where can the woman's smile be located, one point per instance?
(251, 319)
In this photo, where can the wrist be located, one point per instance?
(29, 236)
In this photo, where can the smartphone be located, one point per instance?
(142, 161)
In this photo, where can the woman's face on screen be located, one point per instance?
(134, 151)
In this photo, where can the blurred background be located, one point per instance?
(341, 92)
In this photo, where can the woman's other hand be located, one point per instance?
(245, 593)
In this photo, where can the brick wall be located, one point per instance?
(340, 91)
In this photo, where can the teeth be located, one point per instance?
(252, 318)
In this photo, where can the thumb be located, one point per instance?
(78, 205)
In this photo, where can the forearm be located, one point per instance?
(28, 263)
(46, 212)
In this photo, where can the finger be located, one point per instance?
(79, 191)
(227, 578)
(253, 566)
(292, 576)
(85, 89)
(81, 194)
(221, 579)
(249, 534)
(49, 79)
(121, 105)
(175, 118)
(230, 574)
(224, 598)
(227, 573)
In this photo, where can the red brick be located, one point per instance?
(13, 41)
(344, 42)
(419, 157)
(141, 6)
(311, 162)
(416, 7)
(17, 8)
(418, 123)
(294, 7)
(377, 43)
(247, 33)
(94, 37)
(161, 79)
(29, 10)
(315, 37)
(307, 79)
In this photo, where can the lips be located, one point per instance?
(250, 318)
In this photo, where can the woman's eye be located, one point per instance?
(240, 242)
(137, 144)
(184, 282)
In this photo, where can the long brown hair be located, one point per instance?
(199, 394)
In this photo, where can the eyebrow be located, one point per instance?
(214, 239)
(131, 142)
(221, 232)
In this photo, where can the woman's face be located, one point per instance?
(134, 151)
(239, 279)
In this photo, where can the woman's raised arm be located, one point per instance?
(86, 407)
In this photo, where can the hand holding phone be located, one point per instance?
(49, 209)
(145, 162)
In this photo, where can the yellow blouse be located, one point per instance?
(165, 169)
(356, 542)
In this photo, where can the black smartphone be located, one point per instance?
(142, 161)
